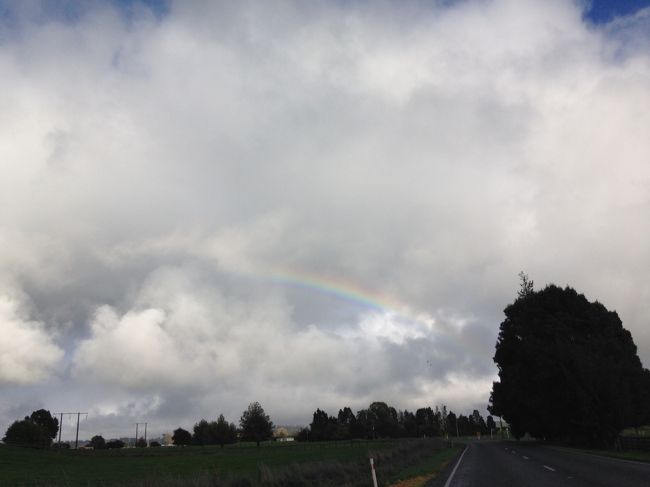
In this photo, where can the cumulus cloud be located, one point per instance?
(28, 353)
(163, 174)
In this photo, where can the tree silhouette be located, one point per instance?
(98, 442)
(255, 424)
(568, 370)
(182, 437)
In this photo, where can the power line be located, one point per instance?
(76, 441)
(136, 433)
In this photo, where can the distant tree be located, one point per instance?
(491, 425)
(27, 433)
(346, 422)
(114, 444)
(478, 423)
(464, 426)
(98, 442)
(426, 422)
(363, 426)
(408, 424)
(223, 432)
(526, 286)
(43, 418)
(384, 420)
(568, 370)
(141, 443)
(154, 444)
(303, 435)
(255, 424)
(324, 427)
(203, 434)
(182, 437)
(452, 424)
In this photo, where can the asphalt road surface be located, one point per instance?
(511, 464)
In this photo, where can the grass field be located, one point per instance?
(636, 455)
(640, 431)
(152, 466)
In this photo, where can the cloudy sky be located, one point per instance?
(306, 204)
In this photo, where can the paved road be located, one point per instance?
(511, 464)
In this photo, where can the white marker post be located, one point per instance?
(374, 476)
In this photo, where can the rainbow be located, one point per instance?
(374, 301)
(340, 289)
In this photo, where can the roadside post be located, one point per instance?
(374, 476)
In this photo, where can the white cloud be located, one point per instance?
(157, 173)
(27, 352)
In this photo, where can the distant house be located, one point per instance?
(282, 434)
(285, 439)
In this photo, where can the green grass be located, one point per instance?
(636, 455)
(22, 466)
(640, 431)
(431, 464)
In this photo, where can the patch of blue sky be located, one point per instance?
(604, 11)
(72, 11)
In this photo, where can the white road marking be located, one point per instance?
(453, 472)
(525, 457)
(549, 468)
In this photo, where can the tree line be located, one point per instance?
(379, 420)
(40, 428)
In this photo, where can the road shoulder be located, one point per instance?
(441, 479)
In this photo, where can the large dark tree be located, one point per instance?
(36, 430)
(568, 370)
(255, 424)
(43, 418)
(27, 433)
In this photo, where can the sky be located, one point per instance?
(306, 204)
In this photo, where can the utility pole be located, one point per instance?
(60, 426)
(136, 432)
(76, 441)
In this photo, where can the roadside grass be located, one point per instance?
(273, 464)
(635, 455)
(430, 467)
(640, 431)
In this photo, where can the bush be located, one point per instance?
(98, 442)
(113, 444)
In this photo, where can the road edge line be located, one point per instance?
(453, 472)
